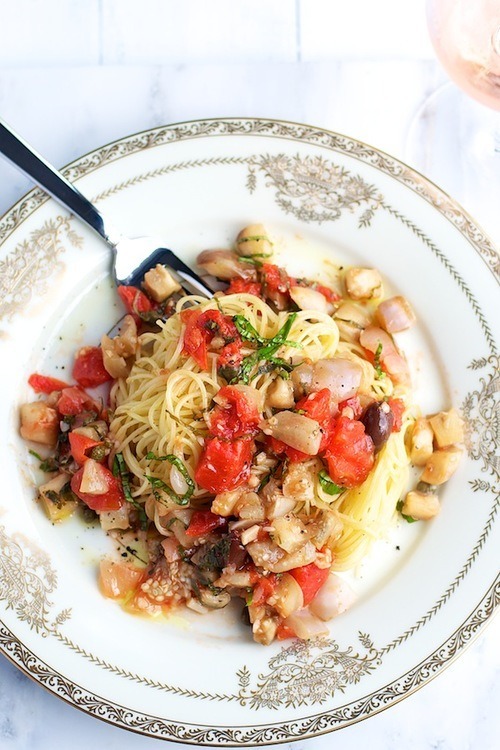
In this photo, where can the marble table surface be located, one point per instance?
(75, 74)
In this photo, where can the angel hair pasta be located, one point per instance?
(253, 445)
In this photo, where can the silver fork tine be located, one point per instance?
(166, 257)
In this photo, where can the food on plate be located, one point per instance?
(252, 446)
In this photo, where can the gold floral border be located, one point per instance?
(149, 139)
(300, 728)
(25, 272)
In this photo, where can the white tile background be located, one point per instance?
(77, 73)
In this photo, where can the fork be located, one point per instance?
(131, 258)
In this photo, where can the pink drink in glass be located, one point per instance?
(466, 37)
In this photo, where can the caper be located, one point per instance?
(427, 489)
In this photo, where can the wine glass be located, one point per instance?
(466, 37)
(454, 140)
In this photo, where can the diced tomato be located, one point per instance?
(275, 279)
(330, 295)
(230, 355)
(284, 632)
(118, 579)
(204, 521)
(243, 286)
(317, 406)
(280, 448)
(112, 499)
(349, 453)
(200, 328)
(264, 588)
(89, 370)
(352, 403)
(134, 300)
(397, 407)
(46, 384)
(80, 445)
(224, 465)
(310, 579)
(73, 401)
(215, 323)
(276, 285)
(195, 338)
(235, 417)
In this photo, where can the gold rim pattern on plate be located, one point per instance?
(310, 726)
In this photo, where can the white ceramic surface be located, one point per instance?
(321, 194)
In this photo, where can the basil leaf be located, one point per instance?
(120, 472)
(268, 347)
(47, 465)
(328, 484)
(247, 331)
(253, 238)
(408, 519)
(159, 484)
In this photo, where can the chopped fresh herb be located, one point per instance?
(67, 493)
(181, 424)
(162, 312)
(266, 350)
(247, 331)
(409, 519)
(255, 238)
(252, 260)
(376, 362)
(265, 480)
(249, 596)
(328, 484)
(120, 471)
(48, 465)
(159, 484)
(277, 363)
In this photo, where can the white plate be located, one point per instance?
(202, 679)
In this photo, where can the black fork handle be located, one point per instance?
(22, 156)
(17, 151)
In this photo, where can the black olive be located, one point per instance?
(245, 616)
(378, 420)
